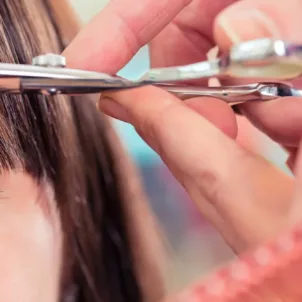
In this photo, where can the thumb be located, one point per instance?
(253, 19)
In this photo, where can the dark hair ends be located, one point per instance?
(64, 141)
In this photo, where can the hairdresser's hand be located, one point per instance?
(244, 196)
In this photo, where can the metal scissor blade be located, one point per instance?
(28, 71)
(18, 78)
(263, 58)
(74, 86)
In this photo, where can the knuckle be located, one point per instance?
(211, 186)
(157, 122)
(131, 38)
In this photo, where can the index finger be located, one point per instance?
(206, 162)
(119, 31)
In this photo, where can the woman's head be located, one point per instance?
(63, 224)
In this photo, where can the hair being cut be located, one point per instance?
(64, 141)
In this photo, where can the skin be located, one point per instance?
(31, 235)
(232, 187)
(150, 260)
(31, 239)
(246, 198)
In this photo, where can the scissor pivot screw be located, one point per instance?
(49, 60)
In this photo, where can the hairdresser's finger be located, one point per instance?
(209, 164)
(189, 37)
(118, 31)
(211, 109)
(155, 103)
(251, 19)
(280, 119)
(217, 112)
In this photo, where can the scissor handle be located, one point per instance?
(232, 94)
(258, 59)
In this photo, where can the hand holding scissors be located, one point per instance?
(195, 137)
(244, 196)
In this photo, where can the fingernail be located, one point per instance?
(241, 25)
(112, 108)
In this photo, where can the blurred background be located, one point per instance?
(195, 247)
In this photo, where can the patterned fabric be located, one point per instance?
(270, 273)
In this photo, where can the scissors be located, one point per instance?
(263, 58)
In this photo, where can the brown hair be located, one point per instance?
(65, 141)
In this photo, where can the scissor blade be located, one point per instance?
(28, 71)
(74, 86)
(17, 78)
